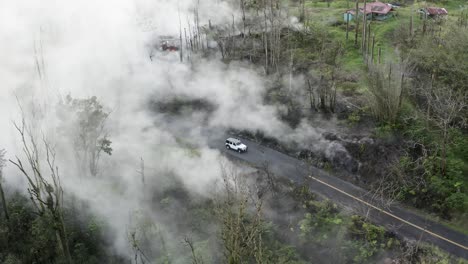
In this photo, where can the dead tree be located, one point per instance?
(386, 86)
(142, 170)
(384, 192)
(364, 27)
(448, 106)
(311, 96)
(368, 43)
(265, 39)
(138, 253)
(2, 194)
(302, 17)
(411, 24)
(270, 177)
(181, 48)
(379, 55)
(347, 26)
(195, 258)
(356, 19)
(45, 194)
(242, 6)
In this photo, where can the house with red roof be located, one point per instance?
(374, 10)
(433, 12)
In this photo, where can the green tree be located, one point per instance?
(84, 121)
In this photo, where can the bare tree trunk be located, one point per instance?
(401, 90)
(347, 24)
(356, 18)
(322, 94)
(429, 96)
(411, 24)
(4, 204)
(233, 34)
(186, 41)
(368, 42)
(2, 194)
(311, 96)
(332, 96)
(272, 36)
(180, 39)
(61, 231)
(364, 26)
(190, 35)
(302, 14)
(443, 161)
(181, 53)
(424, 27)
(195, 258)
(379, 55)
(265, 40)
(197, 24)
(242, 4)
(390, 75)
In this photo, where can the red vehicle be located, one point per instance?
(170, 45)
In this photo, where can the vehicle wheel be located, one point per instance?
(239, 150)
(227, 146)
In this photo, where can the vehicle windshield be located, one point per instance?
(237, 143)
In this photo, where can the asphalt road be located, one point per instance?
(401, 221)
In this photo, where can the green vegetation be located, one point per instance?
(433, 172)
(27, 237)
(441, 192)
(418, 92)
(360, 241)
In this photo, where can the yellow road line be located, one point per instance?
(390, 214)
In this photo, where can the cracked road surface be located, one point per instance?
(395, 218)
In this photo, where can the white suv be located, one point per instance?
(235, 144)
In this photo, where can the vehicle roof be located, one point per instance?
(234, 140)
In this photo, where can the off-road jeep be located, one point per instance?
(235, 144)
